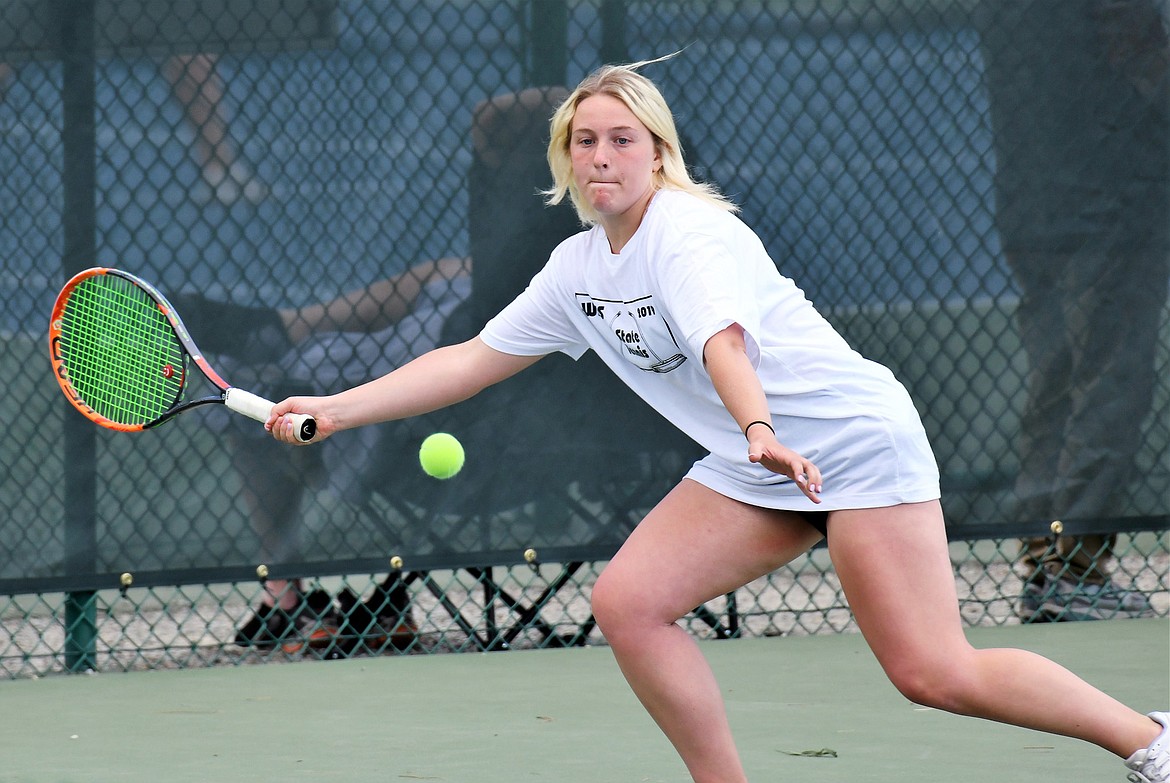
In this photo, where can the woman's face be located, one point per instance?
(614, 158)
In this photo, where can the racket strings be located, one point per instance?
(120, 351)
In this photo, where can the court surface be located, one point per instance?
(557, 715)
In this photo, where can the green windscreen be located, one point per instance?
(119, 351)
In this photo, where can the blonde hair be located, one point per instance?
(645, 101)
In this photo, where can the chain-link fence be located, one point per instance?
(974, 192)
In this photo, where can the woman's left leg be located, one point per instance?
(896, 572)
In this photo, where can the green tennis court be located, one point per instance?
(563, 715)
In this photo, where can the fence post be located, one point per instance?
(75, 21)
(547, 41)
(613, 31)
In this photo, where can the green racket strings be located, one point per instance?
(120, 352)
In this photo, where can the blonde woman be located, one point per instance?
(806, 438)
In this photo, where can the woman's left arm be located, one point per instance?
(738, 385)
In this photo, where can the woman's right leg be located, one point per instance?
(694, 546)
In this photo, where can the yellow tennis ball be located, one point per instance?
(441, 455)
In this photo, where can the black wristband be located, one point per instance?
(754, 423)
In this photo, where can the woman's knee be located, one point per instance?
(610, 602)
(941, 682)
(921, 688)
(621, 606)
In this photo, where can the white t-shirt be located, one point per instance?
(688, 272)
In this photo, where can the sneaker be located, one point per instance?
(390, 602)
(1032, 601)
(263, 629)
(314, 624)
(1065, 598)
(382, 619)
(1152, 764)
(310, 624)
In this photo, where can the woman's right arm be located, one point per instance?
(434, 380)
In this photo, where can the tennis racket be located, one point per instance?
(125, 360)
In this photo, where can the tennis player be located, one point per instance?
(806, 439)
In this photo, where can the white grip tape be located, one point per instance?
(256, 407)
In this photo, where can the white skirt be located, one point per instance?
(865, 462)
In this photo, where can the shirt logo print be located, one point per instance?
(637, 330)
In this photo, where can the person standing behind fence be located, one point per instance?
(807, 438)
(1079, 103)
(199, 88)
(200, 91)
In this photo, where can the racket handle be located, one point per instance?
(256, 407)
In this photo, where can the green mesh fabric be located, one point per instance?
(281, 154)
(119, 350)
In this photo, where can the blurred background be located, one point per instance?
(975, 193)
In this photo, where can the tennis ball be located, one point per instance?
(441, 455)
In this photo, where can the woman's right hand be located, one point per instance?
(284, 429)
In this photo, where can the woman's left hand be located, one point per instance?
(765, 450)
